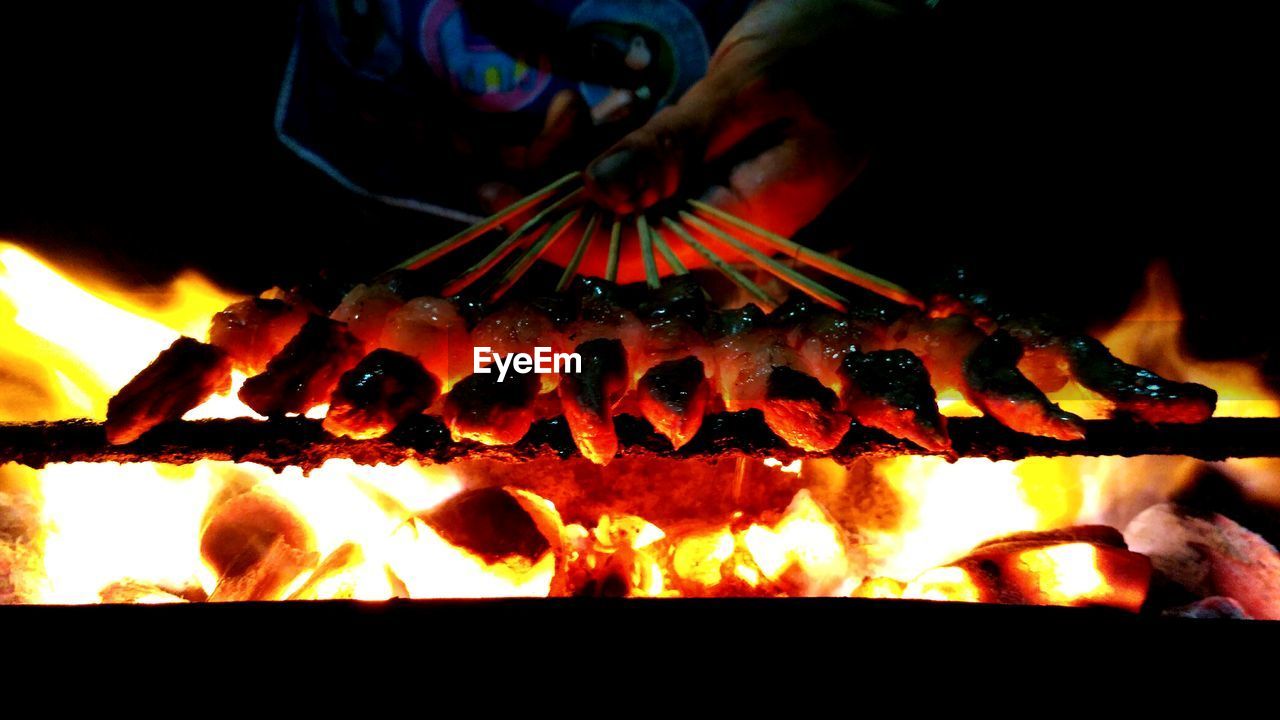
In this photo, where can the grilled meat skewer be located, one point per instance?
(589, 397)
(304, 373)
(809, 369)
(1055, 355)
(380, 392)
(253, 331)
(673, 397)
(494, 413)
(180, 378)
(890, 390)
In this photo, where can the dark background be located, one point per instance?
(1061, 148)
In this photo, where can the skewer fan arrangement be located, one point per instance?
(560, 210)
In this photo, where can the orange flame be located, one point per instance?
(133, 532)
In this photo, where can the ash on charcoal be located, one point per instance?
(1209, 555)
(21, 569)
(1213, 608)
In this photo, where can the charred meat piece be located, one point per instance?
(994, 385)
(481, 408)
(985, 369)
(890, 390)
(942, 344)
(738, 321)
(821, 336)
(253, 331)
(601, 314)
(757, 369)
(306, 371)
(179, 379)
(589, 396)
(380, 392)
(1135, 391)
(673, 398)
(679, 296)
(824, 341)
(802, 411)
(1054, 354)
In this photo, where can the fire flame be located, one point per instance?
(90, 533)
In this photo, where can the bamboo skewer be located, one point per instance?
(505, 247)
(667, 253)
(651, 240)
(535, 251)
(615, 248)
(815, 259)
(466, 236)
(771, 266)
(719, 263)
(588, 235)
(646, 252)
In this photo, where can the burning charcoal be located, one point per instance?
(1135, 391)
(879, 588)
(306, 371)
(1209, 555)
(489, 523)
(345, 558)
(257, 546)
(1092, 534)
(673, 398)
(22, 569)
(890, 390)
(1078, 567)
(365, 310)
(996, 386)
(1213, 608)
(802, 411)
(253, 331)
(483, 409)
(590, 395)
(622, 556)
(132, 592)
(380, 392)
(180, 378)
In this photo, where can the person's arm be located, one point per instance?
(781, 123)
